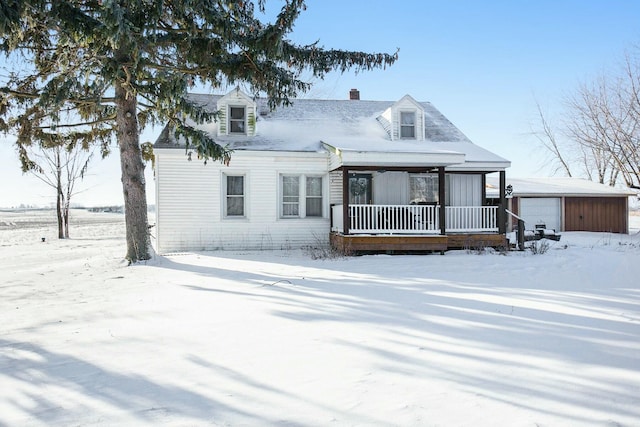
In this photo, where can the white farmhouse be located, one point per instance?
(364, 175)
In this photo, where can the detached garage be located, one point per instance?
(567, 204)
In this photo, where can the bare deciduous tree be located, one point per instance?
(546, 136)
(596, 120)
(60, 167)
(601, 128)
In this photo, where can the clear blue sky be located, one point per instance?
(483, 64)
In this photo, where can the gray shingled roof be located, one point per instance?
(344, 124)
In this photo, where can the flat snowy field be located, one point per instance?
(276, 338)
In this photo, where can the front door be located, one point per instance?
(360, 189)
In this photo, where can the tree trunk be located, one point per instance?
(67, 201)
(65, 219)
(133, 183)
(59, 214)
(59, 195)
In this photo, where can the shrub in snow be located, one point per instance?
(539, 247)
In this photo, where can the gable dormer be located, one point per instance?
(237, 114)
(404, 120)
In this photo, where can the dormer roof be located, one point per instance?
(405, 101)
(236, 95)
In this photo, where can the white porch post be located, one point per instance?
(346, 221)
(502, 213)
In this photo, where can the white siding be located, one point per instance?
(189, 200)
(184, 205)
(464, 190)
(335, 187)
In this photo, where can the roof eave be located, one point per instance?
(394, 159)
(480, 166)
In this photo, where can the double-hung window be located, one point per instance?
(234, 196)
(407, 125)
(301, 196)
(290, 196)
(423, 189)
(313, 196)
(237, 120)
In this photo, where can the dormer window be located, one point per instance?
(407, 125)
(237, 114)
(237, 120)
(405, 119)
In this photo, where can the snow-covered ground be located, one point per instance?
(276, 338)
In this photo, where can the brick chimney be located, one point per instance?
(354, 94)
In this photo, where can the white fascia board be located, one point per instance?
(480, 167)
(358, 158)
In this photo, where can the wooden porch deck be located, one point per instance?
(353, 244)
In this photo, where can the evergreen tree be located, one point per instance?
(113, 66)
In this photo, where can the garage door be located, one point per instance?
(596, 214)
(540, 210)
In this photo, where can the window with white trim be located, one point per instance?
(301, 196)
(313, 196)
(290, 196)
(234, 196)
(407, 125)
(237, 120)
(423, 189)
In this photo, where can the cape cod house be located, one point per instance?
(363, 175)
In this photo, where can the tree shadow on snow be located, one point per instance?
(58, 389)
(523, 343)
(539, 349)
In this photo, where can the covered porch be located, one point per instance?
(359, 223)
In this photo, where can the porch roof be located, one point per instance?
(400, 155)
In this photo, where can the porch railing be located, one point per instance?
(471, 218)
(414, 219)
